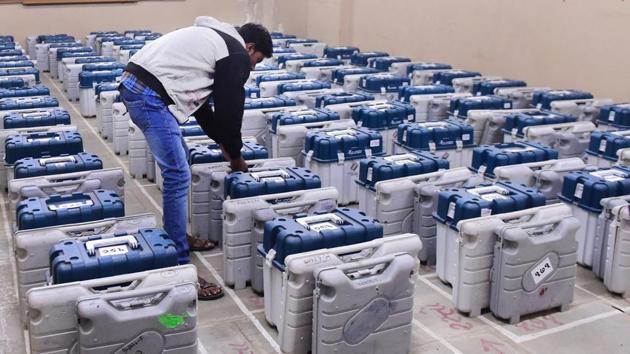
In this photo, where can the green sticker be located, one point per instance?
(171, 321)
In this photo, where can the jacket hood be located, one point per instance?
(211, 22)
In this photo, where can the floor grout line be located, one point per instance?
(433, 335)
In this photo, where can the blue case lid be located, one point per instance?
(33, 167)
(91, 60)
(280, 180)
(126, 41)
(282, 60)
(340, 52)
(87, 79)
(65, 45)
(300, 41)
(17, 64)
(322, 62)
(515, 122)
(10, 52)
(383, 115)
(77, 55)
(383, 63)
(41, 145)
(13, 58)
(36, 118)
(588, 188)
(407, 91)
(446, 77)
(269, 102)
(38, 90)
(314, 115)
(13, 103)
(303, 86)
(7, 45)
(456, 204)
(212, 153)
(105, 86)
(191, 130)
(435, 136)
(6, 38)
(460, 106)
(20, 71)
(487, 157)
(152, 249)
(102, 33)
(279, 51)
(349, 144)
(61, 51)
(487, 87)
(543, 99)
(265, 67)
(102, 66)
(382, 168)
(383, 82)
(252, 91)
(339, 74)
(362, 58)
(606, 144)
(340, 98)
(303, 233)
(279, 35)
(617, 115)
(282, 76)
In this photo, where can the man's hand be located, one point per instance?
(238, 164)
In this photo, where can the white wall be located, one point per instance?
(564, 44)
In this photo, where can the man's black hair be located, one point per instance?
(257, 34)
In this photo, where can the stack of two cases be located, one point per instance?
(524, 262)
(88, 80)
(569, 139)
(583, 192)
(457, 204)
(546, 176)
(35, 118)
(334, 156)
(294, 117)
(384, 117)
(40, 144)
(434, 107)
(486, 158)
(450, 139)
(106, 95)
(258, 112)
(376, 169)
(207, 193)
(120, 133)
(603, 147)
(407, 204)
(610, 254)
(152, 308)
(515, 123)
(243, 228)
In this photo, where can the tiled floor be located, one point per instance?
(596, 322)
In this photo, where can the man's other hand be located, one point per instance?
(238, 164)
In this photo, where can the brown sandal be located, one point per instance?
(196, 244)
(208, 291)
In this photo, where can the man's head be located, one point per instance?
(257, 42)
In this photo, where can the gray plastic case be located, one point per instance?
(624, 157)
(365, 306)
(112, 179)
(255, 121)
(466, 84)
(534, 267)
(52, 310)
(137, 151)
(308, 98)
(289, 294)
(206, 195)
(120, 134)
(617, 273)
(546, 176)
(406, 204)
(569, 139)
(602, 233)
(585, 110)
(4, 133)
(243, 228)
(521, 96)
(32, 246)
(488, 124)
(469, 260)
(345, 109)
(159, 319)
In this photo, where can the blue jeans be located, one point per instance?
(164, 138)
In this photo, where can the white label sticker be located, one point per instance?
(113, 250)
(514, 131)
(539, 106)
(579, 190)
(456, 112)
(404, 137)
(451, 210)
(319, 227)
(486, 212)
(542, 271)
(375, 143)
(602, 145)
(465, 137)
(611, 116)
(369, 174)
(507, 105)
